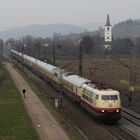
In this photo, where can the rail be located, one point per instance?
(131, 116)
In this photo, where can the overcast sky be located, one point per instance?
(14, 13)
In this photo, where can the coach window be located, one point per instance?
(97, 97)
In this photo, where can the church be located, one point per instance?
(108, 34)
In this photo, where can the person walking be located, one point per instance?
(24, 92)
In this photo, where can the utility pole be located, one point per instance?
(78, 43)
(22, 52)
(60, 100)
(54, 55)
(132, 77)
(80, 60)
(92, 73)
(35, 53)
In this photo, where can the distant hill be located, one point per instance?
(41, 30)
(127, 29)
(92, 26)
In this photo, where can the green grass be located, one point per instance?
(15, 123)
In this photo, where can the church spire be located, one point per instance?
(108, 34)
(108, 21)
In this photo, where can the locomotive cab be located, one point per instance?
(104, 103)
(108, 104)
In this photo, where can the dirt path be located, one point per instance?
(45, 124)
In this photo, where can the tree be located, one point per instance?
(37, 47)
(1, 48)
(122, 46)
(10, 42)
(87, 44)
(138, 45)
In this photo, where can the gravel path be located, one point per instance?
(45, 124)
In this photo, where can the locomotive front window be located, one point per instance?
(109, 97)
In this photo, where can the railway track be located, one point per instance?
(131, 116)
(119, 133)
(126, 127)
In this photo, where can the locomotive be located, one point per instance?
(101, 101)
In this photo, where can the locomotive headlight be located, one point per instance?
(117, 110)
(103, 111)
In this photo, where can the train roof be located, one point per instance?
(40, 63)
(75, 80)
(61, 71)
(36, 61)
(100, 89)
(15, 52)
(46, 65)
(106, 92)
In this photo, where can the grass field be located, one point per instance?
(107, 70)
(15, 124)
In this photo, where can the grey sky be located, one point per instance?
(26, 12)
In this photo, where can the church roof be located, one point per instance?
(108, 21)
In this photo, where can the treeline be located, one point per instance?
(128, 23)
(1, 48)
(92, 45)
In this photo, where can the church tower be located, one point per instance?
(108, 34)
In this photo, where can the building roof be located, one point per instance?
(108, 21)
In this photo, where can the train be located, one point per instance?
(101, 101)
